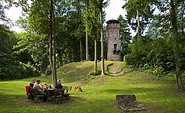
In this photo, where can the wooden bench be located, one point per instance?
(67, 88)
(50, 95)
(58, 97)
(66, 94)
(31, 94)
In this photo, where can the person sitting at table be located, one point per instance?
(45, 86)
(39, 90)
(32, 83)
(58, 85)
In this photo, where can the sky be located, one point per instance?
(113, 10)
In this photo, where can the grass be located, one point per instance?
(157, 94)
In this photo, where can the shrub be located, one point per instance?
(158, 70)
(18, 71)
(27, 70)
(171, 76)
(155, 70)
(94, 74)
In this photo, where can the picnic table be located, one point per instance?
(53, 94)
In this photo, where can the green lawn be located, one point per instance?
(157, 95)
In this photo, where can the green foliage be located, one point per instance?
(125, 36)
(93, 73)
(91, 19)
(28, 70)
(155, 70)
(155, 56)
(171, 76)
(9, 66)
(10, 72)
(142, 9)
(7, 40)
(2, 13)
(18, 71)
(27, 48)
(38, 19)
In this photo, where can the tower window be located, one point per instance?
(115, 46)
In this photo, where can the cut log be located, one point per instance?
(125, 100)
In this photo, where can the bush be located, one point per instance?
(146, 67)
(155, 70)
(94, 74)
(10, 72)
(171, 76)
(18, 71)
(28, 70)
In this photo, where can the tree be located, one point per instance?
(155, 49)
(170, 17)
(9, 3)
(10, 66)
(86, 32)
(176, 43)
(2, 13)
(78, 32)
(138, 14)
(102, 4)
(42, 20)
(124, 35)
(26, 50)
(52, 51)
(91, 18)
(7, 41)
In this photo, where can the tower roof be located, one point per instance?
(112, 21)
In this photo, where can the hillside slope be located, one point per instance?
(80, 70)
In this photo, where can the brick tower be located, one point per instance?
(114, 46)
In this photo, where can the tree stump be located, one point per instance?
(125, 100)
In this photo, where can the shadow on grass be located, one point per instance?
(21, 104)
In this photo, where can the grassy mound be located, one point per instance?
(80, 71)
(158, 95)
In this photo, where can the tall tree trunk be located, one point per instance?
(138, 37)
(81, 52)
(50, 52)
(176, 45)
(60, 57)
(87, 46)
(52, 19)
(182, 18)
(138, 25)
(54, 51)
(102, 44)
(95, 53)
(50, 39)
